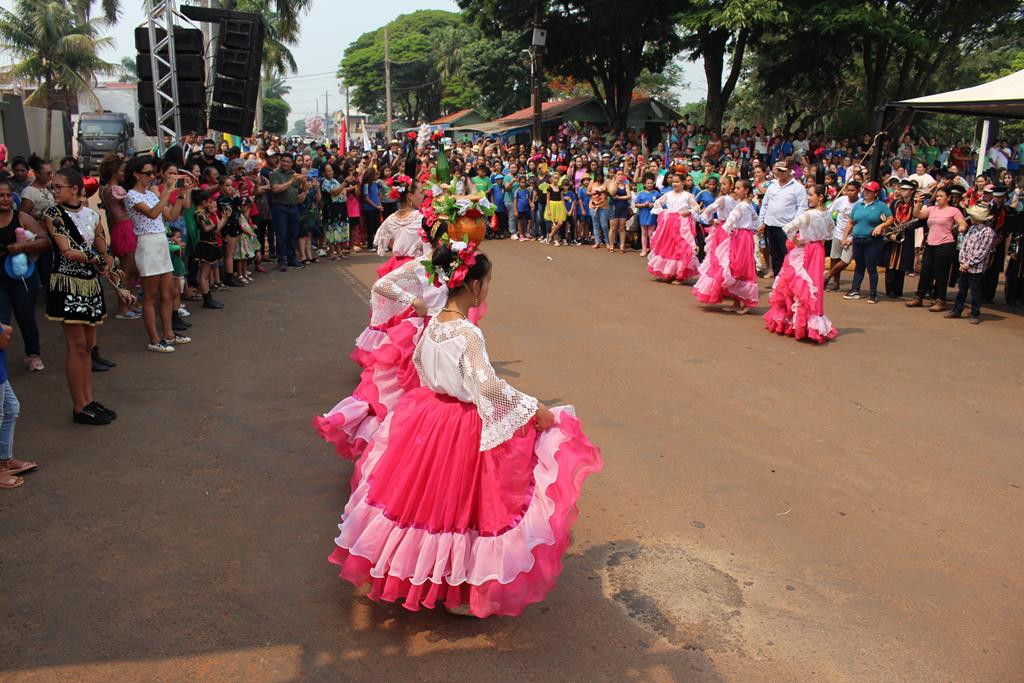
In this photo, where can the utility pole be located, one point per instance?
(539, 38)
(387, 84)
(327, 113)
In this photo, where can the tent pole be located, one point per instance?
(983, 148)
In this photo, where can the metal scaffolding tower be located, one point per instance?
(161, 14)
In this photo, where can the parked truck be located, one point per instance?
(100, 133)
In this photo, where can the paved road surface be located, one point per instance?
(768, 510)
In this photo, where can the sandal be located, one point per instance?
(10, 482)
(15, 466)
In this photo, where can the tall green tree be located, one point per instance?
(275, 114)
(54, 48)
(717, 30)
(601, 43)
(416, 43)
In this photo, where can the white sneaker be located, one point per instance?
(178, 339)
(515, 237)
(321, 253)
(160, 347)
(183, 312)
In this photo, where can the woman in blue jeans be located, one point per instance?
(869, 219)
(10, 466)
(18, 295)
(600, 212)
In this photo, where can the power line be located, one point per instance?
(322, 73)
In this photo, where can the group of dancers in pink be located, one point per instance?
(729, 271)
(464, 489)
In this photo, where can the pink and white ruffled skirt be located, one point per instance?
(728, 270)
(797, 305)
(434, 521)
(673, 248)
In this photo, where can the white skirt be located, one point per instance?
(152, 255)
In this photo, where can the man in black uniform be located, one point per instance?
(899, 241)
(1009, 222)
(999, 210)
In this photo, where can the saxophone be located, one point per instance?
(897, 233)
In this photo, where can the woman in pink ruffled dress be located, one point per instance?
(466, 494)
(797, 300)
(400, 232)
(673, 256)
(401, 304)
(729, 270)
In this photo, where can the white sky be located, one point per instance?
(327, 30)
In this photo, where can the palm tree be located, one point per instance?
(57, 49)
(275, 86)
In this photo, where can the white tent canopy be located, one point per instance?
(1002, 98)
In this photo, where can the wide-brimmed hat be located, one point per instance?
(979, 213)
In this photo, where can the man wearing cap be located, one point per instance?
(999, 212)
(899, 240)
(288, 189)
(784, 200)
(974, 255)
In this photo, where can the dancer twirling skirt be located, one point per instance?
(729, 270)
(673, 256)
(466, 495)
(797, 299)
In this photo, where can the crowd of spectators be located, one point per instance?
(202, 217)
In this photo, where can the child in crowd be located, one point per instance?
(209, 250)
(176, 245)
(524, 209)
(648, 221)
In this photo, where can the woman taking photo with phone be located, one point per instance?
(152, 255)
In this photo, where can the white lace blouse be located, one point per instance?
(720, 208)
(396, 291)
(451, 359)
(743, 216)
(402, 235)
(813, 226)
(677, 202)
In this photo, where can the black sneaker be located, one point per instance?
(177, 324)
(232, 281)
(210, 302)
(852, 294)
(99, 407)
(297, 265)
(91, 416)
(97, 358)
(282, 269)
(873, 299)
(98, 366)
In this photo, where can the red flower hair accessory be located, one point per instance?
(437, 135)
(399, 185)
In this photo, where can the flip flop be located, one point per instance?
(26, 466)
(17, 481)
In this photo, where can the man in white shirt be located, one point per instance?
(784, 200)
(999, 155)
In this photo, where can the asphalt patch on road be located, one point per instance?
(678, 596)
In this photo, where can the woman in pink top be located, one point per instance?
(939, 249)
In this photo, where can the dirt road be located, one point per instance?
(769, 510)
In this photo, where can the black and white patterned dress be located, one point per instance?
(75, 295)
